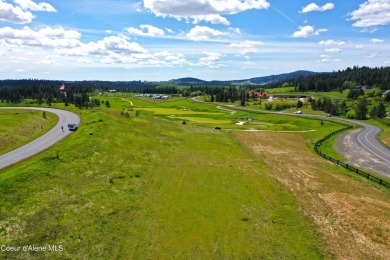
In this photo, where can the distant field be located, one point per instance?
(18, 127)
(280, 90)
(149, 187)
(290, 90)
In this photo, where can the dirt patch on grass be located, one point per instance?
(351, 215)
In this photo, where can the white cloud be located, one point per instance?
(235, 30)
(369, 30)
(333, 50)
(84, 61)
(211, 18)
(45, 37)
(203, 33)
(314, 7)
(211, 60)
(202, 10)
(377, 41)
(170, 59)
(30, 5)
(14, 14)
(246, 47)
(359, 46)
(329, 60)
(372, 13)
(146, 30)
(332, 42)
(115, 44)
(369, 55)
(169, 30)
(306, 31)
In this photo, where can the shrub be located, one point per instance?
(351, 114)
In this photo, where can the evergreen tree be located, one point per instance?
(374, 112)
(361, 110)
(381, 111)
(343, 108)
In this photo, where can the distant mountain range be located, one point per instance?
(251, 81)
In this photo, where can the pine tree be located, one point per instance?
(381, 111)
(374, 112)
(361, 109)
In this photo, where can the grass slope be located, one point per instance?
(146, 188)
(18, 127)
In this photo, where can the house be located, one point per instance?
(159, 97)
(365, 87)
(387, 92)
(261, 94)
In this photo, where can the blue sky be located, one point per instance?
(208, 39)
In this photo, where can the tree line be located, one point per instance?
(340, 80)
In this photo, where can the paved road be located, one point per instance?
(361, 148)
(45, 141)
(367, 138)
(364, 144)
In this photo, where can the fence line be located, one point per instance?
(345, 165)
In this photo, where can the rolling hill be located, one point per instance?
(251, 81)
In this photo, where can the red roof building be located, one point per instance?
(262, 94)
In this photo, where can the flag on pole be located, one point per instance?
(62, 87)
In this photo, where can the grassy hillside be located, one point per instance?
(145, 188)
(19, 127)
(150, 187)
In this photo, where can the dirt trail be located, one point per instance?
(351, 216)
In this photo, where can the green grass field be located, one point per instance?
(149, 187)
(19, 127)
(145, 187)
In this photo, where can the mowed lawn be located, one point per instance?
(18, 127)
(148, 188)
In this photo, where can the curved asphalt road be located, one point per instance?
(367, 139)
(45, 141)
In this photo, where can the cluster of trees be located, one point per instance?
(76, 94)
(338, 108)
(326, 105)
(378, 111)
